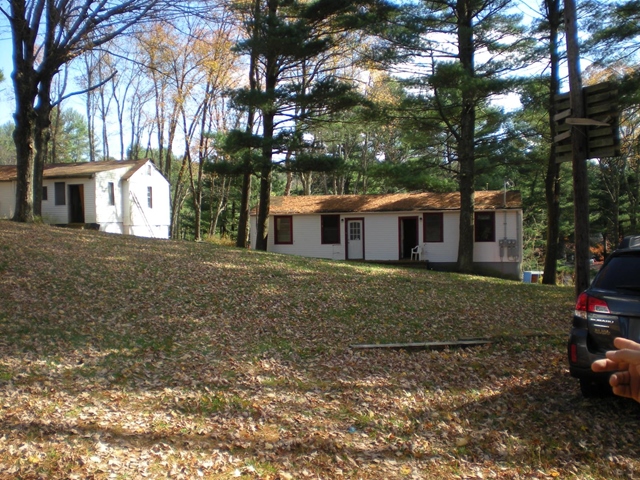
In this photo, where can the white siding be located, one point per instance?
(140, 219)
(447, 250)
(126, 216)
(59, 214)
(110, 217)
(7, 199)
(382, 237)
(89, 200)
(307, 240)
(506, 227)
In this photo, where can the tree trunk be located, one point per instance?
(90, 110)
(42, 135)
(307, 180)
(579, 153)
(287, 163)
(262, 227)
(242, 240)
(25, 91)
(105, 134)
(268, 125)
(467, 221)
(222, 205)
(466, 156)
(54, 136)
(243, 222)
(25, 153)
(552, 180)
(177, 198)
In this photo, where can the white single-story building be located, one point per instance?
(423, 226)
(129, 197)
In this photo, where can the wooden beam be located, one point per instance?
(585, 121)
(463, 343)
(559, 116)
(562, 136)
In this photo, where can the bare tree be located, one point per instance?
(47, 34)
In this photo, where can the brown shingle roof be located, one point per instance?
(64, 170)
(395, 202)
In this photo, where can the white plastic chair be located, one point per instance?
(416, 253)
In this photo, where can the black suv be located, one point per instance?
(609, 308)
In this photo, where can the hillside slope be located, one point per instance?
(127, 357)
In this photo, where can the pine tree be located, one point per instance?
(469, 48)
(283, 37)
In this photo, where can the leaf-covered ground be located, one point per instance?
(135, 358)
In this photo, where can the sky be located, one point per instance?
(7, 106)
(6, 97)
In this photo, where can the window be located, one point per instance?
(330, 228)
(620, 273)
(112, 194)
(355, 231)
(433, 227)
(45, 194)
(150, 197)
(283, 230)
(59, 188)
(485, 227)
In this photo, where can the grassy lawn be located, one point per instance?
(135, 358)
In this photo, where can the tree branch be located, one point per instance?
(86, 90)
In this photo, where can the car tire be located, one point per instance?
(592, 389)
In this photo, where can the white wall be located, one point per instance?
(139, 218)
(490, 251)
(59, 214)
(381, 238)
(123, 217)
(447, 250)
(7, 199)
(109, 217)
(306, 239)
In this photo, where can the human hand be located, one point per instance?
(625, 362)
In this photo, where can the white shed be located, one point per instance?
(391, 227)
(129, 197)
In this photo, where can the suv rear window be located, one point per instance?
(619, 271)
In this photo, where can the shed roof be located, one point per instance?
(395, 202)
(74, 170)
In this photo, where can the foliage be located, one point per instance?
(349, 118)
(69, 137)
(69, 140)
(165, 361)
(295, 78)
(45, 38)
(7, 147)
(479, 46)
(615, 28)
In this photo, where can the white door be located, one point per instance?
(355, 244)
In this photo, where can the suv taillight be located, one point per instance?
(587, 304)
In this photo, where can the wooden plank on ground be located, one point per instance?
(462, 343)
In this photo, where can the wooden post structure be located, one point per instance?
(579, 152)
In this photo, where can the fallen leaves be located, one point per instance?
(126, 357)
